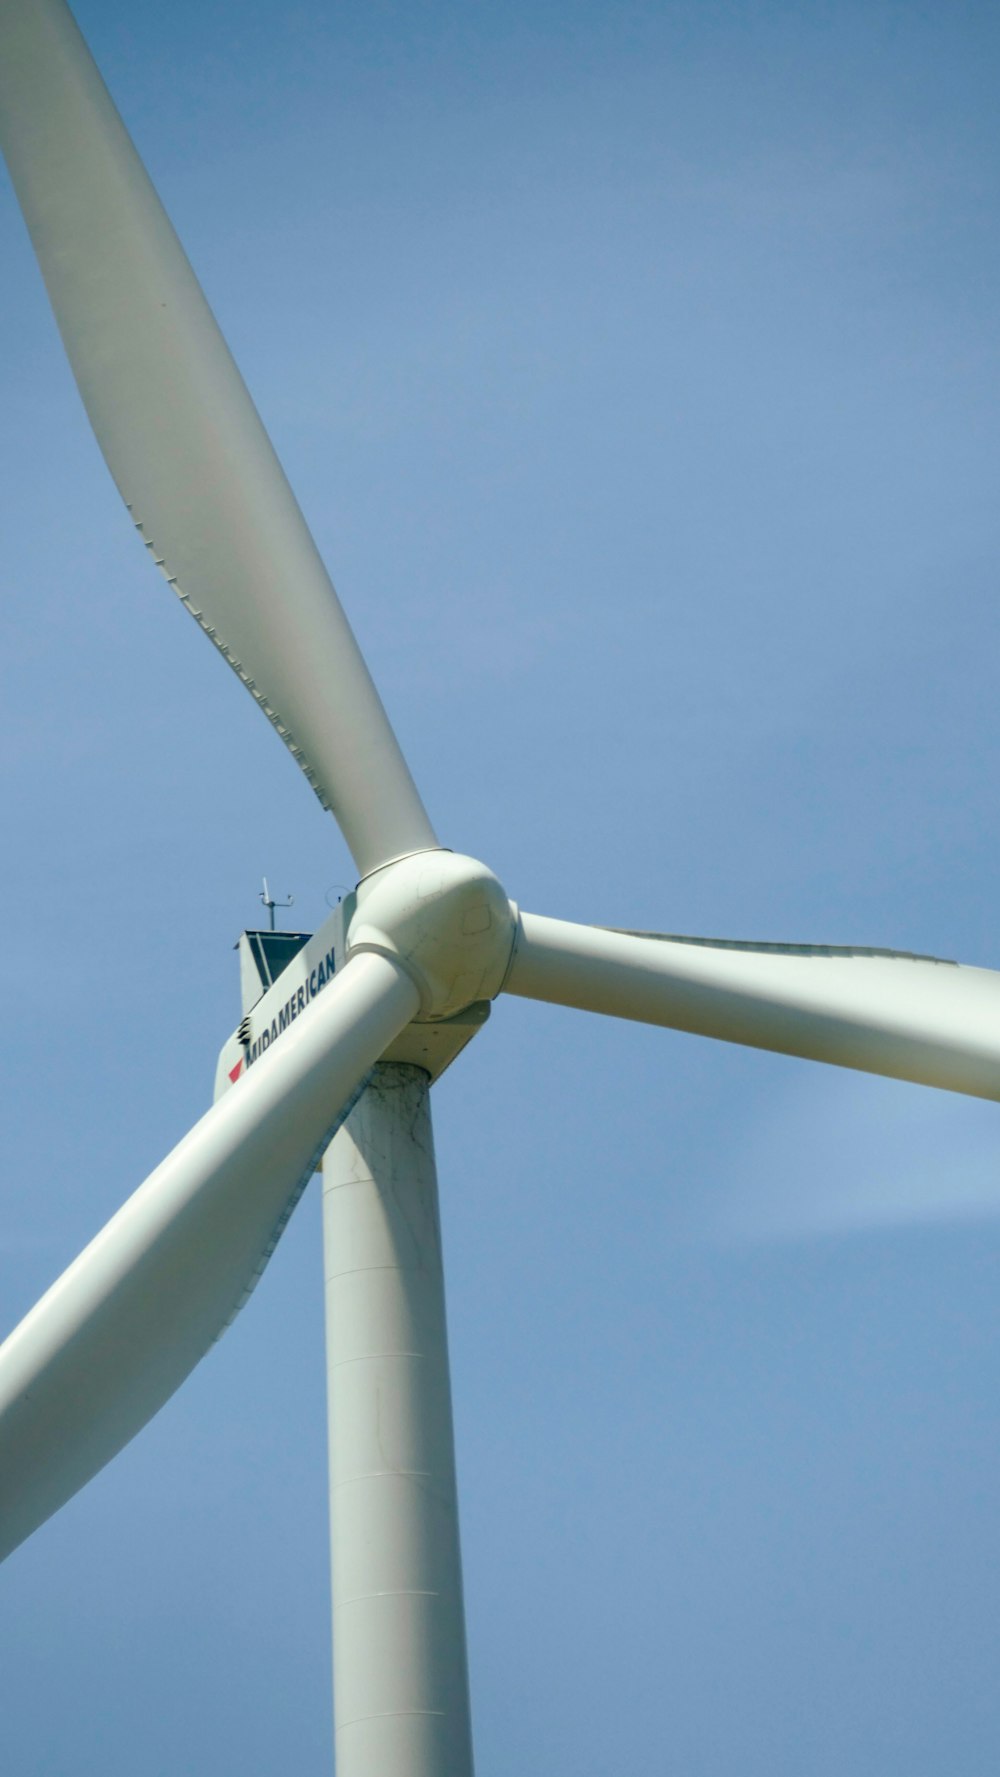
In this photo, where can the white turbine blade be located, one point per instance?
(117, 1334)
(883, 1012)
(181, 436)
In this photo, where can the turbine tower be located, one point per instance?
(332, 1063)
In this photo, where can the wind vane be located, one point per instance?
(270, 903)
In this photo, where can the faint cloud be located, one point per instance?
(838, 1154)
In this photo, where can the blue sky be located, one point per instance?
(637, 369)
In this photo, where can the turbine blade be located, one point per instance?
(881, 1011)
(109, 1343)
(181, 435)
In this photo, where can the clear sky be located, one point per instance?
(637, 369)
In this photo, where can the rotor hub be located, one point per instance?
(446, 919)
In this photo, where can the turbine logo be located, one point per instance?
(313, 984)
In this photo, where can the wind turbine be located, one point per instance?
(918, 1019)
